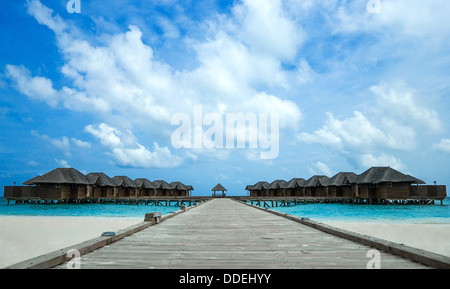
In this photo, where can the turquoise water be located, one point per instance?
(83, 210)
(371, 213)
(319, 212)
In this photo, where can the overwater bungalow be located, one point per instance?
(384, 183)
(295, 187)
(277, 188)
(317, 186)
(146, 188)
(179, 189)
(342, 185)
(163, 189)
(100, 185)
(61, 184)
(260, 189)
(125, 187)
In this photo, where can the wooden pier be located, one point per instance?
(271, 202)
(149, 201)
(227, 234)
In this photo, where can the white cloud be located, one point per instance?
(126, 151)
(120, 80)
(143, 158)
(323, 169)
(38, 88)
(400, 18)
(64, 144)
(358, 132)
(62, 163)
(392, 123)
(443, 145)
(107, 135)
(80, 143)
(266, 28)
(369, 160)
(44, 16)
(403, 103)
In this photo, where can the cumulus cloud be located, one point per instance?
(121, 80)
(62, 163)
(127, 152)
(370, 160)
(390, 124)
(409, 18)
(38, 88)
(443, 145)
(63, 144)
(321, 169)
(404, 104)
(358, 132)
(267, 29)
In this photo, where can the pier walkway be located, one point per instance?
(226, 234)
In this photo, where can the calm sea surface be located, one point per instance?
(83, 210)
(319, 212)
(372, 213)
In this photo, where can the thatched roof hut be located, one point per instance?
(317, 180)
(100, 179)
(60, 176)
(377, 175)
(278, 184)
(61, 184)
(296, 183)
(161, 184)
(124, 181)
(178, 186)
(219, 188)
(260, 186)
(342, 179)
(144, 183)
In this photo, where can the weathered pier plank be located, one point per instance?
(227, 234)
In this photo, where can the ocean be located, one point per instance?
(83, 210)
(372, 213)
(318, 212)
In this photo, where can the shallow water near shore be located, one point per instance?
(372, 213)
(83, 210)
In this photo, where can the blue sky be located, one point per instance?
(97, 90)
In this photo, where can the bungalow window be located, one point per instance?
(389, 184)
(57, 186)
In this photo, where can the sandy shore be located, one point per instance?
(24, 237)
(430, 237)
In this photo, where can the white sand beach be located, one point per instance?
(24, 237)
(430, 237)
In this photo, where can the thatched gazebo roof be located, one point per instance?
(218, 187)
